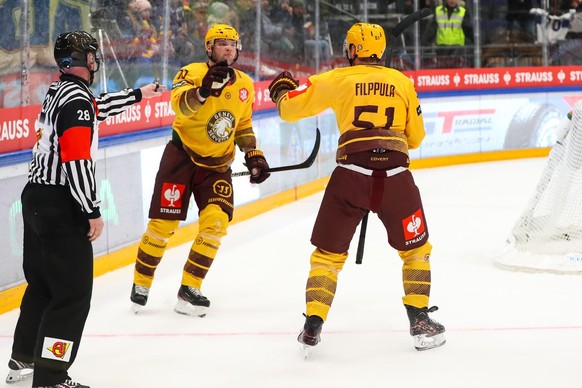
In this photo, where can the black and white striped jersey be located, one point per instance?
(67, 137)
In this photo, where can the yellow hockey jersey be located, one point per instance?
(375, 107)
(210, 131)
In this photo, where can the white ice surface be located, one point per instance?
(504, 329)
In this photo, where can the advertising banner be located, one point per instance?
(17, 125)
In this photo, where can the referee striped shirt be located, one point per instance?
(67, 137)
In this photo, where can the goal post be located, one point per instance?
(547, 236)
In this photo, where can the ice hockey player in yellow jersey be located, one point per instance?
(379, 119)
(213, 104)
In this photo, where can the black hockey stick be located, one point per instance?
(305, 164)
(400, 27)
(394, 33)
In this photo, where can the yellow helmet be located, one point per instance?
(369, 39)
(221, 31)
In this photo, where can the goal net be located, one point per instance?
(548, 234)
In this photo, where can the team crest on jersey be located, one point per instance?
(243, 94)
(413, 226)
(221, 126)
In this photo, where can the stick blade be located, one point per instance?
(307, 162)
(315, 150)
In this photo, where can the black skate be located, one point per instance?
(427, 333)
(18, 371)
(139, 297)
(310, 335)
(66, 384)
(191, 302)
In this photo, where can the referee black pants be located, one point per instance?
(58, 266)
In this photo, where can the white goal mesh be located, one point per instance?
(548, 234)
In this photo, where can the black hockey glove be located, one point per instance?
(216, 79)
(257, 165)
(283, 82)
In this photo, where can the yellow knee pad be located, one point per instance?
(162, 229)
(151, 249)
(213, 223)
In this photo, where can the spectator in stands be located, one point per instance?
(184, 36)
(310, 42)
(146, 34)
(405, 7)
(295, 30)
(221, 13)
(575, 31)
(451, 30)
(137, 25)
(568, 51)
(275, 43)
(277, 36)
(520, 18)
(282, 13)
(247, 20)
(564, 6)
(198, 21)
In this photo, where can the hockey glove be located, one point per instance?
(257, 165)
(216, 79)
(283, 82)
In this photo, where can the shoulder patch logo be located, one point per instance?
(300, 89)
(243, 94)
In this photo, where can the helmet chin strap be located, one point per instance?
(96, 64)
(351, 60)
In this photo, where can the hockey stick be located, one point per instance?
(400, 27)
(305, 164)
(394, 33)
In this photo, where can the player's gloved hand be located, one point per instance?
(257, 165)
(282, 82)
(216, 79)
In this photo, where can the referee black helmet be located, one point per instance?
(71, 49)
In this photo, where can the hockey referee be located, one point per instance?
(61, 215)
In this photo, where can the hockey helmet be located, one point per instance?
(221, 31)
(71, 49)
(368, 38)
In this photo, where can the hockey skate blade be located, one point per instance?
(185, 308)
(423, 342)
(306, 349)
(16, 376)
(136, 308)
